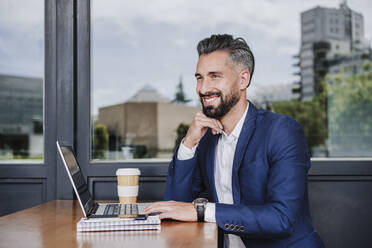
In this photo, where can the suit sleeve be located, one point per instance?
(183, 180)
(289, 161)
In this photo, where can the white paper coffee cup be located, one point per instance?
(128, 184)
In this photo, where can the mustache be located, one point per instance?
(216, 93)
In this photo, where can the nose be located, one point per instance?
(203, 86)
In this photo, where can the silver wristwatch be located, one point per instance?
(200, 205)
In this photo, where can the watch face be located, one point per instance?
(200, 201)
(199, 205)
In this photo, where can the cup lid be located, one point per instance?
(128, 172)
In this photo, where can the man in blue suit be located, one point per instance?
(250, 165)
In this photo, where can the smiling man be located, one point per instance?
(250, 165)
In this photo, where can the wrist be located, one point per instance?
(200, 206)
(189, 144)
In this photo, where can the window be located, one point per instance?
(143, 89)
(142, 83)
(21, 80)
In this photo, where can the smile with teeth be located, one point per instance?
(210, 99)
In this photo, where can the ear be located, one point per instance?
(245, 76)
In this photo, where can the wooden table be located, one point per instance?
(53, 224)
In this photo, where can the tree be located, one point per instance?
(100, 141)
(350, 113)
(312, 117)
(181, 132)
(180, 94)
(340, 117)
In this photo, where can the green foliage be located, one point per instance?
(340, 117)
(37, 157)
(310, 114)
(180, 94)
(100, 141)
(350, 113)
(181, 132)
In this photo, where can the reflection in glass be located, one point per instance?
(140, 110)
(21, 80)
(350, 113)
(141, 104)
(144, 126)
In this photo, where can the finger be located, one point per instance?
(215, 123)
(159, 208)
(200, 114)
(160, 203)
(219, 124)
(208, 123)
(152, 206)
(166, 215)
(162, 206)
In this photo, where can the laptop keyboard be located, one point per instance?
(126, 210)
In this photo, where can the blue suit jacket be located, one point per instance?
(269, 182)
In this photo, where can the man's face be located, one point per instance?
(217, 84)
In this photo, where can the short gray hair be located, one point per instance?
(240, 53)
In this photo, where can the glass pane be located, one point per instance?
(144, 57)
(21, 80)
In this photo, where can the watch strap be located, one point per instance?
(200, 209)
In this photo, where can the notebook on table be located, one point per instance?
(118, 224)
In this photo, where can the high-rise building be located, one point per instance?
(351, 64)
(21, 116)
(326, 33)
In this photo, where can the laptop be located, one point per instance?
(89, 207)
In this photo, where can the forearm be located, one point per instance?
(286, 189)
(179, 186)
(260, 221)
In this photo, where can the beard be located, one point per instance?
(226, 103)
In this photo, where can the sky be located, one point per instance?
(138, 43)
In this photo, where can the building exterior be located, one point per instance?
(325, 34)
(351, 63)
(147, 121)
(21, 116)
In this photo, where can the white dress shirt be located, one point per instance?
(224, 158)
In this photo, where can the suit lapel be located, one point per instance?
(210, 163)
(241, 147)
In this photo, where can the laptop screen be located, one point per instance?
(80, 186)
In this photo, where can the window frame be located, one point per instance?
(21, 174)
(348, 168)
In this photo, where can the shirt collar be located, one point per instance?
(238, 127)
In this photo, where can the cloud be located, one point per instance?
(21, 14)
(22, 37)
(140, 42)
(272, 20)
(157, 41)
